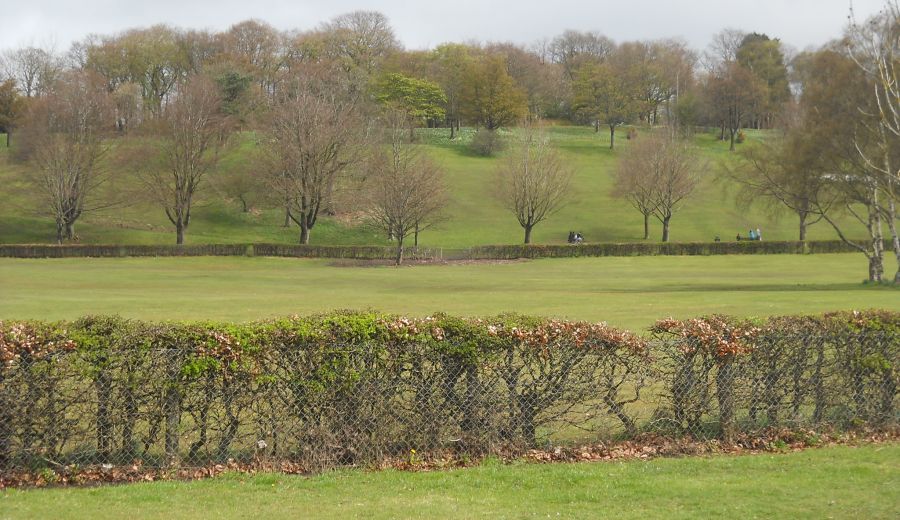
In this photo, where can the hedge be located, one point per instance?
(365, 388)
(660, 249)
(509, 252)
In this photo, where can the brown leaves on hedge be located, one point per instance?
(719, 335)
(27, 340)
(577, 333)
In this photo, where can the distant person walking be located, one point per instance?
(758, 234)
(752, 234)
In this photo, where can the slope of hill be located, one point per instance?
(473, 216)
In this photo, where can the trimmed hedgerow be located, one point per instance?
(351, 388)
(496, 252)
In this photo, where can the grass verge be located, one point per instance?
(833, 482)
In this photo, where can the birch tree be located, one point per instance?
(875, 48)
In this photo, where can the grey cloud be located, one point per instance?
(425, 23)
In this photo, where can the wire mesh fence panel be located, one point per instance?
(365, 390)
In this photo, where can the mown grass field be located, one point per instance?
(473, 217)
(629, 292)
(835, 482)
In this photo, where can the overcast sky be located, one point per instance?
(425, 23)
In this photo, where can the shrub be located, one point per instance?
(486, 143)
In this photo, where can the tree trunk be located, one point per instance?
(179, 232)
(876, 268)
(232, 426)
(416, 236)
(722, 132)
(803, 216)
(59, 232)
(452, 130)
(173, 422)
(895, 236)
(665, 234)
(646, 226)
(104, 420)
(287, 216)
(304, 232)
(612, 136)
(617, 410)
(70, 230)
(527, 415)
(399, 259)
(731, 146)
(8, 133)
(725, 375)
(528, 234)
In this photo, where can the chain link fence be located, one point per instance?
(103, 391)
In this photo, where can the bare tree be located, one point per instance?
(636, 183)
(63, 142)
(192, 133)
(533, 180)
(243, 183)
(313, 138)
(663, 171)
(785, 173)
(256, 46)
(735, 95)
(153, 58)
(361, 38)
(724, 48)
(875, 48)
(34, 70)
(406, 188)
(855, 193)
(572, 49)
(834, 104)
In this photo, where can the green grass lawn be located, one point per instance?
(835, 482)
(629, 292)
(474, 217)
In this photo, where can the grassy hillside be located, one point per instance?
(630, 292)
(474, 217)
